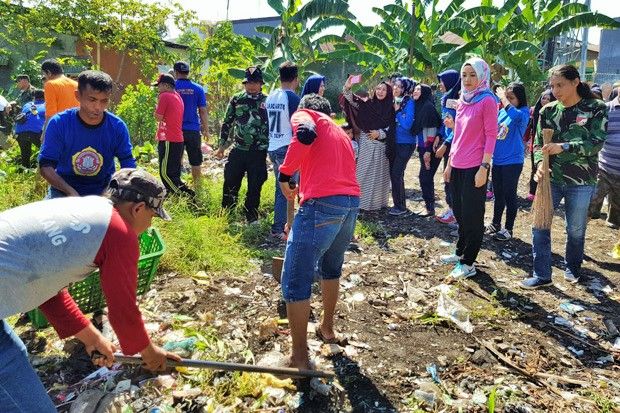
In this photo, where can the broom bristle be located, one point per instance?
(543, 203)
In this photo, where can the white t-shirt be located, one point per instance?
(281, 104)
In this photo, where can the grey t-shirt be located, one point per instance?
(47, 245)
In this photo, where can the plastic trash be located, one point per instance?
(432, 370)
(184, 346)
(576, 351)
(561, 321)
(571, 308)
(453, 311)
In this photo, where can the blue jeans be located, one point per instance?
(321, 233)
(54, 193)
(21, 389)
(279, 203)
(576, 201)
(402, 154)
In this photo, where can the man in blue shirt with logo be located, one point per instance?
(29, 126)
(80, 144)
(195, 117)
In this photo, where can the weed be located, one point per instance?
(368, 231)
(604, 404)
(430, 318)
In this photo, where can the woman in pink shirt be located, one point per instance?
(475, 132)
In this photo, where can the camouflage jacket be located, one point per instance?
(25, 96)
(246, 118)
(584, 127)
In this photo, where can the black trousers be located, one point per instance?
(254, 164)
(170, 158)
(533, 183)
(468, 206)
(25, 141)
(505, 182)
(427, 180)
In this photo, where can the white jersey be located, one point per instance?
(281, 104)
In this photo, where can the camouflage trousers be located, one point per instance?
(607, 185)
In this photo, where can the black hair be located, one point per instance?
(346, 126)
(315, 102)
(52, 66)
(519, 91)
(570, 72)
(22, 77)
(538, 106)
(39, 94)
(395, 75)
(288, 71)
(100, 81)
(494, 87)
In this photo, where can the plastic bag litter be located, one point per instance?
(453, 311)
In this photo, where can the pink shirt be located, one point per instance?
(170, 106)
(475, 133)
(327, 165)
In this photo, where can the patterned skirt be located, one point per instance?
(373, 174)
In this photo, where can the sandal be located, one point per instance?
(339, 339)
(280, 236)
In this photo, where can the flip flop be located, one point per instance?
(339, 339)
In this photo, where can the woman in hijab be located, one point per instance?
(405, 142)
(545, 98)
(314, 84)
(375, 118)
(450, 86)
(475, 133)
(425, 128)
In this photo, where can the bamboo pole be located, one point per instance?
(543, 203)
(226, 366)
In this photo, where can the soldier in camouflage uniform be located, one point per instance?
(27, 90)
(246, 120)
(579, 122)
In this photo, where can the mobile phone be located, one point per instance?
(356, 79)
(451, 103)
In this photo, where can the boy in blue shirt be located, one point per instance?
(195, 117)
(29, 126)
(80, 144)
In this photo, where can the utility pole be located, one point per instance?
(584, 49)
(227, 7)
(414, 35)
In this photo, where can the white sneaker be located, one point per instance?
(449, 258)
(502, 235)
(463, 271)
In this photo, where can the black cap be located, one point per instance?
(22, 76)
(164, 78)
(253, 74)
(182, 67)
(137, 185)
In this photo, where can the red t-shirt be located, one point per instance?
(327, 165)
(170, 106)
(117, 260)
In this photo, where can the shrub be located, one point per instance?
(136, 109)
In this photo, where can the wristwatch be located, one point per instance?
(565, 146)
(486, 165)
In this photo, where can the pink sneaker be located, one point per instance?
(490, 195)
(447, 218)
(530, 197)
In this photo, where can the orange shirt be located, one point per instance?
(59, 95)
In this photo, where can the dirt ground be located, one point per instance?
(525, 353)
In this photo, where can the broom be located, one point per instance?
(543, 203)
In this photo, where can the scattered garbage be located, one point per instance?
(183, 348)
(571, 308)
(576, 351)
(611, 328)
(617, 343)
(453, 311)
(317, 385)
(432, 370)
(561, 321)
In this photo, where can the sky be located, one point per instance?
(215, 10)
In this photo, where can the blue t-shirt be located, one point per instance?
(34, 123)
(194, 97)
(83, 155)
(404, 122)
(509, 148)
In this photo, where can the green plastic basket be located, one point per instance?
(87, 293)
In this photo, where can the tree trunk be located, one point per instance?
(414, 29)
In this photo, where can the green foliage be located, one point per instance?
(17, 186)
(223, 49)
(136, 108)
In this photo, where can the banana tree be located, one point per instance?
(412, 38)
(298, 37)
(513, 39)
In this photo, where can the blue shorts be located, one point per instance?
(321, 234)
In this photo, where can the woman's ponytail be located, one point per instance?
(570, 72)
